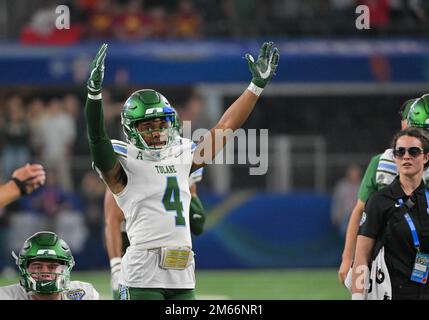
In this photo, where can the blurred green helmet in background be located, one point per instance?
(405, 109)
(418, 116)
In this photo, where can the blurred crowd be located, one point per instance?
(135, 20)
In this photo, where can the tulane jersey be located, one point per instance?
(156, 198)
(195, 177)
(155, 203)
(77, 291)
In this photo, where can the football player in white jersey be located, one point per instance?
(149, 177)
(45, 262)
(116, 237)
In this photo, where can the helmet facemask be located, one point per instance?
(57, 280)
(157, 134)
(45, 262)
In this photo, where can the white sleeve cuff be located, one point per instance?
(255, 89)
(94, 97)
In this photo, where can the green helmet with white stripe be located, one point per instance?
(145, 105)
(48, 247)
(418, 116)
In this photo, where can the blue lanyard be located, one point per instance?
(410, 221)
(413, 230)
(427, 200)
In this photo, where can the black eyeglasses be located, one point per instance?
(412, 151)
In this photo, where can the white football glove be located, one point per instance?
(115, 267)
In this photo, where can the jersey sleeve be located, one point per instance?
(94, 294)
(13, 292)
(196, 176)
(120, 149)
(5, 294)
(386, 169)
(369, 184)
(372, 218)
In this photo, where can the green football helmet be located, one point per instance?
(144, 105)
(45, 246)
(418, 116)
(405, 109)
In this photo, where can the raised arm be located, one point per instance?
(101, 148)
(262, 71)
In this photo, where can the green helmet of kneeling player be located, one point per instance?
(45, 262)
(149, 121)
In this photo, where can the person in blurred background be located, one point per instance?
(42, 27)
(14, 133)
(186, 21)
(45, 263)
(344, 198)
(132, 23)
(380, 172)
(34, 118)
(101, 17)
(135, 172)
(92, 191)
(57, 148)
(394, 231)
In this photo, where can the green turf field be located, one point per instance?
(244, 284)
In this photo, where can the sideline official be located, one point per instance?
(397, 218)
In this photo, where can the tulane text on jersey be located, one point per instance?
(166, 169)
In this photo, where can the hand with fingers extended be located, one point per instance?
(95, 81)
(263, 69)
(29, 178)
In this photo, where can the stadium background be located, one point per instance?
(332, 104)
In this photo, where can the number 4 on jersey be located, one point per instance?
(171, 200)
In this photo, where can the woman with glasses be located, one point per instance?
(395, 224)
